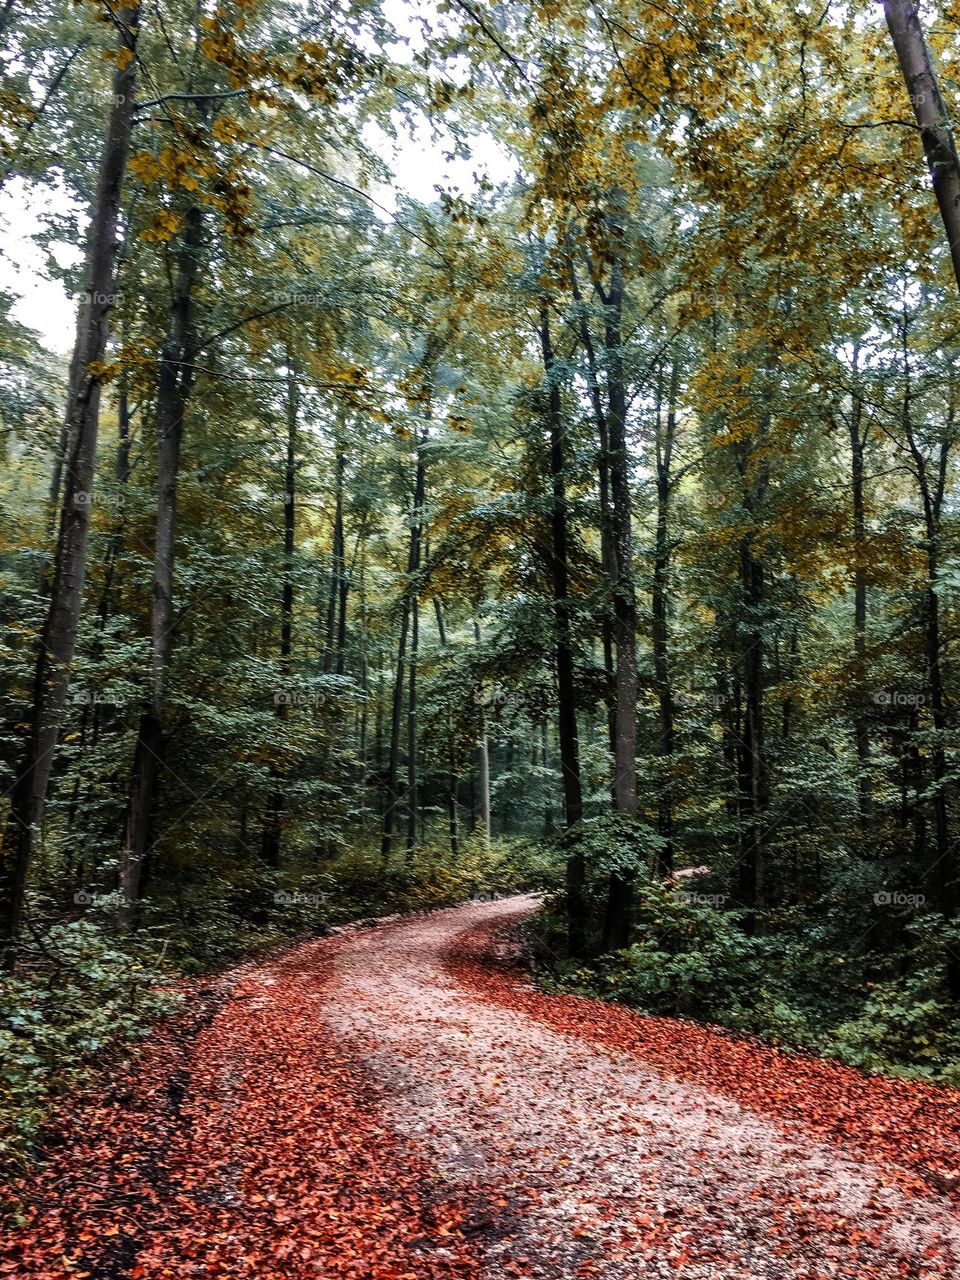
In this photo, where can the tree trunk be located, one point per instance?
(412, 780)
(453, 825)
(660, 639)
(82, 418)
(548, 820)
(930, 112)
(607, 552)
(345, 577)
(932, 489)
(332, 654)
(566, 690)
(364, 680)
(173, 390)
(273, 823)
(483, 754)
(861, 725)
(413, 565)
(616, 931)
(754, 786)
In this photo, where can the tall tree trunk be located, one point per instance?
(55, 493)
(413, 565)
(332, 656)
(616, 931)
(932, 490)
(660, 639)
(576, 874)
(930, 112)
(345, 576)
(750, 638)
(607, 550)
(754, 786)
(453, 824)
(364, 677)
(861, 724)
(59, 633)
(940, 149)
(548, 821)
(271, 839)
(483, 756)
(173, 391)
(412, 780)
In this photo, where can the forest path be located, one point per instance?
(602, 1165)
(396, 1103)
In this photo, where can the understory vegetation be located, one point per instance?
(881, 1008)
(504, 447)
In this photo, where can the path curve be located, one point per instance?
(387, 1105)
(603, 1165)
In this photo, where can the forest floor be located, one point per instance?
(397, 1103)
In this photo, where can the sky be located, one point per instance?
(42, 303)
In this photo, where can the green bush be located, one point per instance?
(77, 994)
(795, 981)
(687, 959)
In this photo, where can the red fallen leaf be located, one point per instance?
(233, 1182)
(914, 1127)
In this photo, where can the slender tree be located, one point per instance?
(59, 633)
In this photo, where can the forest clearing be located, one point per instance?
(479, 575)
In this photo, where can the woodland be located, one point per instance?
(590, 528)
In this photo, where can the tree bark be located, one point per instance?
(173, 391)
(59, 633)
(566, 689)
(932, 489)
(483, 754)
(754, 785)
(616, 931)
(930, 112)
(271, 839)
(453, 824)
(861, 725)
(660, 638)
(412, 779)
(607, 552)
(333, 656)
(413, 565)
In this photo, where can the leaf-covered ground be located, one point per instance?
(397, 1103)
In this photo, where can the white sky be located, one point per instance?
(42, 303)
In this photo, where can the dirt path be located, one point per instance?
(608, 1167)
(385, 1105)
